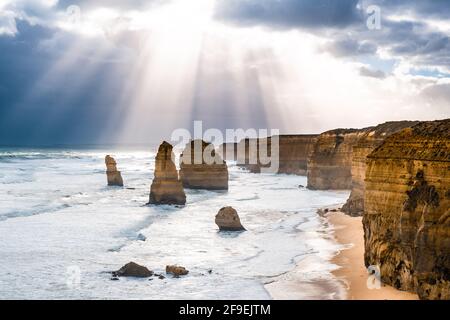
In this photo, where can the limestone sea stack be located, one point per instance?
(370, 140)
(196, 173)
(166, 187)
(407, 210)
(113, 175)
(228, 220)
(330, 164)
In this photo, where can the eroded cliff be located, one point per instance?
(330, 164)
(407, 210)
(370, 140)
(289, 156)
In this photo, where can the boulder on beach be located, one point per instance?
(113, 175)
(176, 270)
(228, 220)
(166, 187)
(133, 270)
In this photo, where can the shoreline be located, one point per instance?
(348, 276)
(351, 272)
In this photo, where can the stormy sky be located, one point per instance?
(98, 71)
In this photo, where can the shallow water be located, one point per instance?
(60, 223)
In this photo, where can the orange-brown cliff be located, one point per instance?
(330, 164)
(407, 210)
(370, 140)
(293, 152)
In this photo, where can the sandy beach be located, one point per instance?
(348, 231)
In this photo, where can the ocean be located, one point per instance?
(63, 230)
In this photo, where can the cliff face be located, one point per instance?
(166, 187)
(330, 164)
(228, 151)
(407, 210)
(113, 175)
(370, 140)
(196, 173)
(293, 153)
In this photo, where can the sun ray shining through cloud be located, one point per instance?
(159, 65)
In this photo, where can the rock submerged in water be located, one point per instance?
(176, 271)
(113, 175)
(228, 220)
(196, 173)
(166, 187)
(133, 270)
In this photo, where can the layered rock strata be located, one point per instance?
(202, 168)
(330, 164)
(291, 155)
(370, 140)
(407, 210)
(294, 153)
(114, 176)
(228, 151)
(166, 187)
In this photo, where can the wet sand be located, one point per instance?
(349, 232)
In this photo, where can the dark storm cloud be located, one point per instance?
(289, 13)
(63, 110)
(116, 4)
(428, 8)
(412, 39)
(350, 47)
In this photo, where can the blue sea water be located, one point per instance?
(62, 230)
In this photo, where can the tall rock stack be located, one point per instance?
(368, 142)
(330, 164)
(407, 210)
(166, 187)
(113, 175)
(196, 173)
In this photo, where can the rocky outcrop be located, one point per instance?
(228, 220)
(330, 164)
(370, 140)
(407, 210)
(166, 187)
(202, 168)
(113, 175)
(133, 270)
(177, 271)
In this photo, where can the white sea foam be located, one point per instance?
(56, 212)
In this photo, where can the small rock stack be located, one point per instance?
(113, 175)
